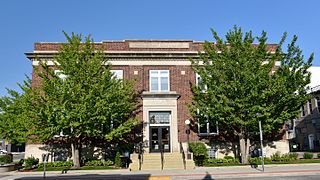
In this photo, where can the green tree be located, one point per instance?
(240, 86)
(14, 124)
(83, 100)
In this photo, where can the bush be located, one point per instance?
(200, 152)
(276, 157)
(293, 156)
(99, 163)
(307, 155)
(198, 148)
(225, 160)
(5, 159)
(31, 162)
(57, 164)
(117, 160)
(318, 155)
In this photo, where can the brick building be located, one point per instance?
(164, 77)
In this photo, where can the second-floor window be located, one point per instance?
(200, 84)
(60, 74)
(118, 74)
(159, 80)
(310, 106)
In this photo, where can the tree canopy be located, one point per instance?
(79, 98)
(241, 84)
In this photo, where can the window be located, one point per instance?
(207, 125)
(159, 117)
(60, 74)
(303, 111)
(318, 103)
(159, 80)
(199, 82)
(310, 106)
(118, 74)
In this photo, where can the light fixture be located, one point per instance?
(187, 122)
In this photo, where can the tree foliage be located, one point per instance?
(242, 83)
(14, 114)
(79, 98)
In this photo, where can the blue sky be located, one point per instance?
(24, 22)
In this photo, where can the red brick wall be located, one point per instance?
(178, 82)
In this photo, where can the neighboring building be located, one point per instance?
(164, 77)
(306, 130)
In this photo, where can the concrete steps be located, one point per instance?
(152, 161)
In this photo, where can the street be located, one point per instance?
(283, 171)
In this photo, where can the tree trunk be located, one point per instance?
(75, 148)
(244, 148)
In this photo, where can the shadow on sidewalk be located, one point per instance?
(93, 176)
(207, 176)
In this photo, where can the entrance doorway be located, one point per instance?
(159, 139)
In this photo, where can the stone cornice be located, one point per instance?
(170, 95)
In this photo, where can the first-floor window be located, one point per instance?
(303, 111)
(318, 103)
(207, 126)
(310, 106)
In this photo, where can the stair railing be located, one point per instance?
(162, 158)
(183, 156)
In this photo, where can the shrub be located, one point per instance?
(276, 157)
(198, 148)
(117, 160)
(225, 160)
(307, 155)
(293, 156)
(99, 163)
(31, 162)
(318, 155)
(5, 159)
(57, 164)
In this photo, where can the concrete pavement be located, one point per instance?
(285, 170)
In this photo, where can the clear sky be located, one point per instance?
(24, 22)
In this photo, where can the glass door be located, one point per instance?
(160, 138)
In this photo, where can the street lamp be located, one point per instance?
(261, 141)
(187, 122)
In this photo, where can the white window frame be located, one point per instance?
(159, 80)
(197, 83)
(60, 74)
(310, 107)
(303, 111)
(208, 133)
(208, 129)
(154, 124)
(118, 74)
(318, 103)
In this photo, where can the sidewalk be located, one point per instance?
(198, 173)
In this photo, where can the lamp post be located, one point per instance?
(187, 122)
(261, 143)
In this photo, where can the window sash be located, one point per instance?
(159, 80)
(118, 74)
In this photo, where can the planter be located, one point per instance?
(6, 167)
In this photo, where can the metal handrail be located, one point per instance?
(183, 156)
(162, 158)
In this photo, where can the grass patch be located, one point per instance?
(70, 168)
